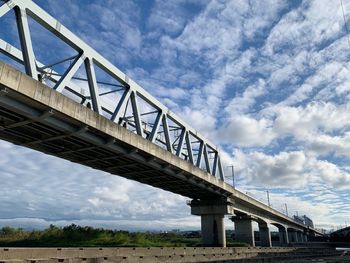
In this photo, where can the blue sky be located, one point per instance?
(268, 81)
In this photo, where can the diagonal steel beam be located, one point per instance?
(90, 72)
(67, 76)
(215, 164)
(181, 142)
(169, 144)
(200, 154)
(121, 106)
(221, 171)
(206, 159)
(6, 7)
(26, 42)
(189, 148)
(137, 116)
(154, 133)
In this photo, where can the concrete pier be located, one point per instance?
(213, 230)
(305, 237)
(265, 235)
(292, 235)
(212, 220)
(283, 236)
(244, 229)
(300, 237)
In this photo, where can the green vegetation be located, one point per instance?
(77, 236)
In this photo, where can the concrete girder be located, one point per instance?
(30, 99)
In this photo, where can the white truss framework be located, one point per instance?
(166, 130)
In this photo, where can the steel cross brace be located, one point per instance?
(91, 59)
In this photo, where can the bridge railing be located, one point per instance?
(93, 81)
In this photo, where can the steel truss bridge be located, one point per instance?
(84, 109)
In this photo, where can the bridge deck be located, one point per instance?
(36, 116)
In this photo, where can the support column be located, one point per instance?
(305, 235)
(265, 235)
(300, 237)
(213, 230)
(305, 238)
(283, 236)
(212, 214)
(244, 229)
(292, 236)
(311, 234)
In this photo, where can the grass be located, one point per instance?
(77, 236)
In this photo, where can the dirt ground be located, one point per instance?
(345, 257)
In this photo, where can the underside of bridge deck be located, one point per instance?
(27, 122)
(35, 116)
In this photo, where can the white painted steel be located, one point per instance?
(133, 92)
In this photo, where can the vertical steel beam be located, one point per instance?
(67, 76)
(91, 76)
(169, 145)
(26, 42)
(136, 112)
(156, 125)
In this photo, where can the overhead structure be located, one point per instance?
(119, 99)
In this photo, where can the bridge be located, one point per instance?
(114, 125)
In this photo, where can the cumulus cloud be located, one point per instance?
(321, 207)
(317, 119)
(316, 116)
(325, 144)
(294, 169)
(246, 131)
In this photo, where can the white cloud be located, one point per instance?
(246, 102)
(322, 212)
(311, 24)
(246, 131)
(306, 121)
(294, 170)
(303, 123)
(37, 185)
(325, 144)
(282, 170)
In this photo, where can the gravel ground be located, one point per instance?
(339, 259)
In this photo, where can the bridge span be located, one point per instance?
(49, 111)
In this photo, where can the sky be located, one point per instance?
(266, 80)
